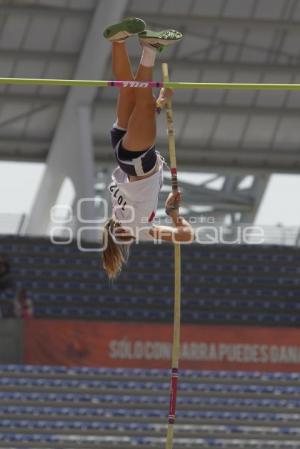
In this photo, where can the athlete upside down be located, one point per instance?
(138, 179)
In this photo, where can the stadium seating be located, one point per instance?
(57, 407)
(220, 284)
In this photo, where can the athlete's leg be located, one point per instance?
(122, 71)
(141, 130)
(117, 34)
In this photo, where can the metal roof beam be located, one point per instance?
(249, 153)
(212, 160)
(224, 206)
(36, 55)
(246, 67)
(233, 196)
(12, 97)
(28, 9)
(18, 155)
(258, 189)
(224, 160)
(223, 22)
(179, 106)
(187, 64)
(231, 109)
(186, 161)
(12, 140)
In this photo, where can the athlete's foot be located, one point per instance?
(124, 29)
(159, 39)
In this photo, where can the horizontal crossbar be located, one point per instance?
(142, 84)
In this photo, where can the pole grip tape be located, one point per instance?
(173, 395)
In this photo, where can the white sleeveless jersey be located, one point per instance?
(135, 203)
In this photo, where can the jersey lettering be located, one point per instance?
(113, 188)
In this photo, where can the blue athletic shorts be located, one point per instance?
(133, 163)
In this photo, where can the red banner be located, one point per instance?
(112, 344)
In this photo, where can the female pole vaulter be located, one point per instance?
(138, 179)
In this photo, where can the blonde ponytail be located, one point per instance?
(115, 251)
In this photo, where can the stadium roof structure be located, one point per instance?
(238, 137)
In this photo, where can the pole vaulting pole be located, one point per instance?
(177, 275)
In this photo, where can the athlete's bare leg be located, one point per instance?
(122, 71)
(141, 130)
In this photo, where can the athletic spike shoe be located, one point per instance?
(159, 39)
(129, 26)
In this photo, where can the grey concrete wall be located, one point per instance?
(10, 341)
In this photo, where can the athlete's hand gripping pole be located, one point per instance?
(177, 273)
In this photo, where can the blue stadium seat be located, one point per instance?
(233, 284)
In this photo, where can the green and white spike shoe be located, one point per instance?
(129, 26)
(160, 39)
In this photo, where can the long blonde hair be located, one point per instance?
(115, 251)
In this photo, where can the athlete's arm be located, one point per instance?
(182, 230)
